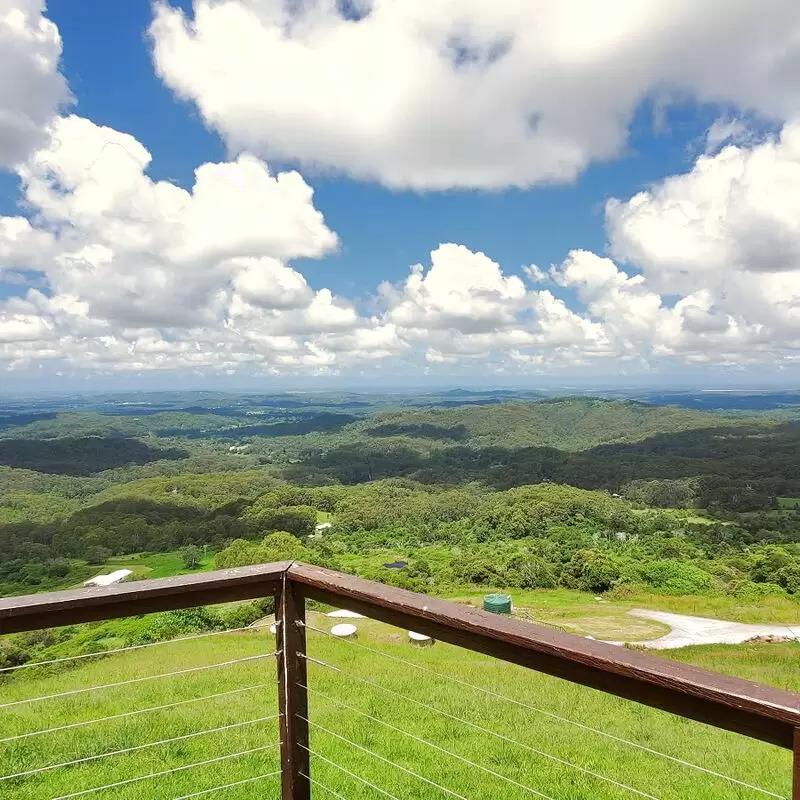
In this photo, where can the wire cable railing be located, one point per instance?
(441, 752)
(391, 763)
(118, 650)
(136, 712)
(322, 786)
(444, 751)
(164, 772)
(129, 681)
(346, 771)
(137, 747)
(529, 707)
(461, 721)
(233, 785)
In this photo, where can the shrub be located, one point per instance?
(675, 577)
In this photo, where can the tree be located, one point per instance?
(192, 555)
(530, 572)
(97, 554)
(297, 520)
(591, 571)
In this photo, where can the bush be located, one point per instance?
(747, 590)
(171, 624)
(12, 655)
(789, 578)
(675, 577)
(530, 572)
(592, 571)
(243, 614)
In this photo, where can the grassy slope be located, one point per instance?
(578, 612)
(730, 754)
(156, 565)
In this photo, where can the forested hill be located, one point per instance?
(566, 423)
(88, 486)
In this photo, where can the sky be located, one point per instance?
(269, 193)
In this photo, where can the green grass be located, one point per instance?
(764, 610)
(733, 755)
(575, 612)
(156, 565)
(789, 502)
(579, 612)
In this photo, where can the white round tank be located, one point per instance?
(343, 612)
(419, 639)
(273, 628)
(344, 631)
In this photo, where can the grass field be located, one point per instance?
(156, 565)
(340, 700)
(580, 613)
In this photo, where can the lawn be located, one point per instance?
(789, 502)
(575, 612)
(352, 701)
(607, 618)
(156, 565)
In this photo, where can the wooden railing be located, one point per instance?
(751, 709)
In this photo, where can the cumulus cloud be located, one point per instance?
(466, 93)
(736, 211)
(129, 273)
(144, 272)
(31, 87)
(144, 275)
(462, 289)
(465, 308)
(724, 238)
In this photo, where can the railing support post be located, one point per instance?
(292, 696)
(796, 766)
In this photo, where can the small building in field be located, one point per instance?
(106, 580)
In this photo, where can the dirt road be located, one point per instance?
(688, 630)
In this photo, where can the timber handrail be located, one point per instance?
(752, 709)
(52, 609)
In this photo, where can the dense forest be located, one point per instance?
(489, 489)
(706, 490)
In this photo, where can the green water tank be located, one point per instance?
(497, 603)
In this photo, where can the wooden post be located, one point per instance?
(796, 766)
(292, 696)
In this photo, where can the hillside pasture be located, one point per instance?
(514, 724)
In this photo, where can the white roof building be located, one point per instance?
(106, 580)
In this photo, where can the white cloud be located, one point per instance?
(31, 87)
(736, 211)
(137, 274)
(725, 239)
(434, 94)
(727, 131)
(461, 289)
(465, 308)
(143, 274)
(148, 253)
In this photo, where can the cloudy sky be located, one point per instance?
(375, 192)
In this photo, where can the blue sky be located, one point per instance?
(699, 277)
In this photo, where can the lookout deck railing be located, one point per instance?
(753, 710)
